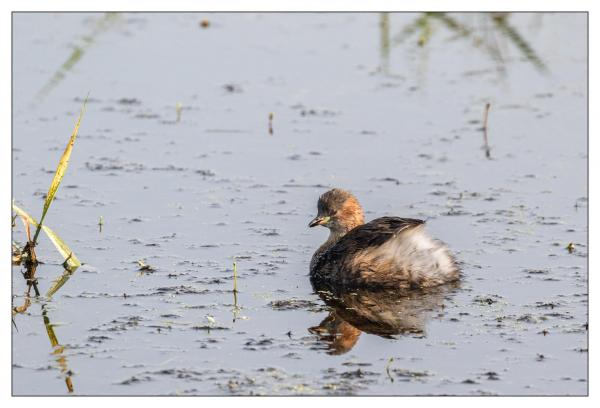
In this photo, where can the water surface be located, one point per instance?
(353, 106)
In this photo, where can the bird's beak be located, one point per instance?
(318, 221)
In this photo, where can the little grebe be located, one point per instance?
(386, 252)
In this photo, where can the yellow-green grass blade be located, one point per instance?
(70, 260)
(60, 171)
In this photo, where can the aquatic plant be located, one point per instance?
(234, 277)
(485, 130)
(236, 308)
(27, 255)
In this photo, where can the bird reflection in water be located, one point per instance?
(385, 313)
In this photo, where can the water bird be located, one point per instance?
(386, 252)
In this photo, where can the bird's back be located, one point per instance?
(388, 252)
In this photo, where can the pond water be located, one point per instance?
(178, 156)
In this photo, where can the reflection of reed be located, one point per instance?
(78, 51)
(58, 350)
(384, 42)
(422, 28)
(385, 313)
(24, 307)
(58, 283)
(501, 22)
(236, 308)
(462, 31)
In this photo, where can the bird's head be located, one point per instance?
(339, 211)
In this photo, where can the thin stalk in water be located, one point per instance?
(485, 130)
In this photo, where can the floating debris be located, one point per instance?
(144, 266)
(178, 109)
(129, 101)
(293, 304)
(233, 88)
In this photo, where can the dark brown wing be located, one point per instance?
(372, 234)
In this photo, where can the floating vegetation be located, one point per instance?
(409, 375)
(492, 376)
(486, 300)
(233, 88)
(143, 266)
(294, 304)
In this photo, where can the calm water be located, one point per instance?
(354, 106)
